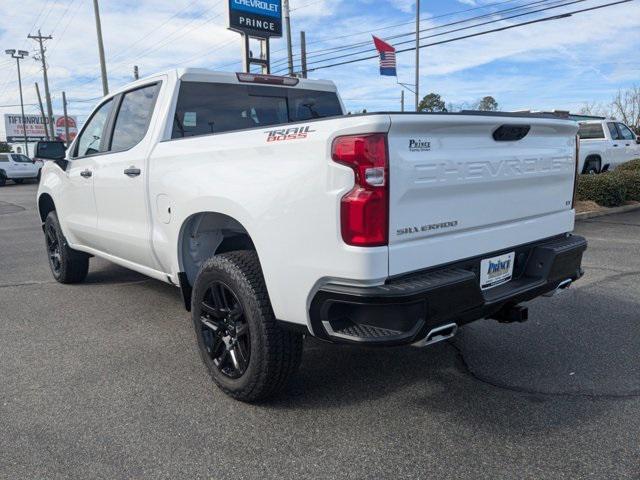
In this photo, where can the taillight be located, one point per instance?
(364, 211)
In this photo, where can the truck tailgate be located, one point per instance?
(456, 192)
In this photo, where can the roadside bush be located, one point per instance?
(629, 166)
(606, 189)
(631, 181)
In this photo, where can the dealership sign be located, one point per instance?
(256, 18)
(35, 128)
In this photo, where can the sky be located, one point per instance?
(560, 64)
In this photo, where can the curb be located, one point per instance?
(607, 211)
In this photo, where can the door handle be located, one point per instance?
(132, 172)
(86, 173)
(615, 144)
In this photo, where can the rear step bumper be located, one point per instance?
(428, 306)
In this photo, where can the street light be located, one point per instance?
(19, 55)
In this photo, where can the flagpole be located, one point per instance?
(417, 85)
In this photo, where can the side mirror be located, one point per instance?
(638, 139)
(51, 150)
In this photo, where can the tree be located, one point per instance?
(488, 104)
(595, 110)
(432, 103)
(5, 147)
(626, 107)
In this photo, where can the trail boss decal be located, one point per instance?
(283, 134)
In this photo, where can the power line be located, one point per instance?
(64, 30)
(24, 43)
(64, 14)
(319, 53)
(490, 22)
(155, 29)
(386, 27)
(150, 50)
(508, 27)
(17, 105)
(305, 5)
(182, 30)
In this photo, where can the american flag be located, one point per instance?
(387, 57)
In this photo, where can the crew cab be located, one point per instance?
(17, 167)
(280, 216)
(605, 144)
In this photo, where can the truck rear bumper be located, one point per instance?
(406, 308)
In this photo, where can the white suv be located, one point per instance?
(18, 167)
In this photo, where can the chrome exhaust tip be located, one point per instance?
(438, 334)
(562, 286)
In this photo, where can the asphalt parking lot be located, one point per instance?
(103, 380)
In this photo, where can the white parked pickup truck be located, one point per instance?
(605, 144)
(18, 167)
(278, 215)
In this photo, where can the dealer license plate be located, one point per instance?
(496, 271)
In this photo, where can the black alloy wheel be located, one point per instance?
(53, 249)
(225, 330)
(246, 352)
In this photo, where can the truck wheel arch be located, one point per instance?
(595, 160)
(205, 234)
(45, 206)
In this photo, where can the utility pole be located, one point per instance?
(402, 100)
(40, 39)
(103, 65)
(136, 73)
(66, 121)
(287, 19)
(44, 119)
(303, 53)
(19, 55)
(417, 54)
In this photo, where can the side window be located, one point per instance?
(90, 141)
(626, 133)
(590, 130)
(613, 131)
(133, 118)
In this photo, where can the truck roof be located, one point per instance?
(206, 75)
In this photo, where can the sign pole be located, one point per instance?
(46, 130)
(267, 57)
(24, 127)
(303, 53)
(246, 53)
(287, 19)
(66, 121)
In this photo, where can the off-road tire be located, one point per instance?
(593, 166)
(275, 353)
(72, 266)
(3, 179)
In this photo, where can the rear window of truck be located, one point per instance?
(204, 108)
(591, 130)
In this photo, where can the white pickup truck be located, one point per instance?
(605, 144)
(278, 215)
(18, 167)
